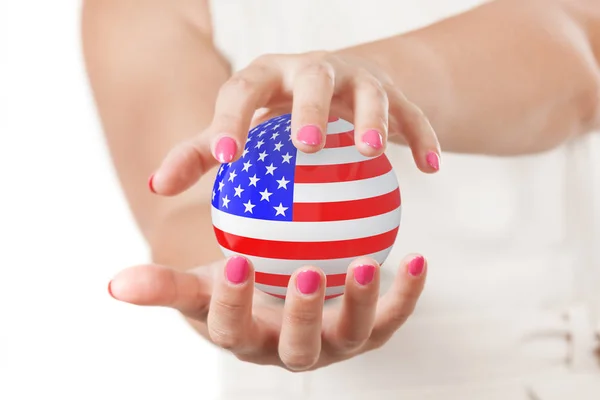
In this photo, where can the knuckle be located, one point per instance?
(351, 342)
(311, 108)
(297, 360)
(239, 84)
(228, 308)
(319, 69)
(302, 318)
(372, 85)
(224, 338)
(400, 314)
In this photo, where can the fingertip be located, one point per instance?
(181, 168)
(370, 143)
(416, 266)
(310, 138)
(226, 149)
(433, 160)
(238, 271)
(308, 282)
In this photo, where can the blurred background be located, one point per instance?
(65, 230)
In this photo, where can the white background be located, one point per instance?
(65, 230)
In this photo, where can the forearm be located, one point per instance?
(506, 78)
(155, 76)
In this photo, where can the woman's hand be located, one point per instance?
(304, 334)
(313, 86)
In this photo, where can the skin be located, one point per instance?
(166, 97)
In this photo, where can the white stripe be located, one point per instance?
(333, 266)
(336, 155)
(339, 126)
(282, 290)
(344, 191)
(322, 231)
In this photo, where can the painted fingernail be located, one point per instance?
(433, 160)
(151, 183)
(308, 282)
(237, 269)
(372, 138)
(310, 134)
(415, 267)
(225, 149)
(109, 289)
(363, 274)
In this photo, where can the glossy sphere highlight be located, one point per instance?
(284, 209)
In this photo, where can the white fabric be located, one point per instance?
(511, 243)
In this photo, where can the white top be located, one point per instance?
(508, 243)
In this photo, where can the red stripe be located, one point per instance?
(342, 172)
(342, 139)
(306, 250)
(346, 210)
(280, 296)
(283, 280)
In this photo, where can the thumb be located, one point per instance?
(156, 285)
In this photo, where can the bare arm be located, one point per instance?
(155, 75)
(508, 77)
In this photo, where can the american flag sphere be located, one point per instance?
(284, 209)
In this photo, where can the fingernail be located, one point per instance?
(225, 149)
(415, 267)
(310, 134)
(236, 270)
(433, 160)
(372, 138)
(151, 183)
(363, 274)
(109, 289)
(308, 282)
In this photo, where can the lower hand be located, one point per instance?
(313, 86)
(303, 334)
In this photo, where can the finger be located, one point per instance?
(238, 99)
(155, 285)
(355, 322)
(417, 131)
(370, 115)
(230, 323)
(399, 302)
(223, 140)
(300, 337)
(313, 89)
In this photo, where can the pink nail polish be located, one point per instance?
(372, 138)
(237, 269)
(110, 290)
(308, 282)
(363, 274)
(310, 134)
(151, 184)
(415, 267)
(225, 149)
(433, 160)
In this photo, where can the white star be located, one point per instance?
(280, 209)
(262, 133)
(253, 180)
(274, 136)
(246, 166)
(278, 146)
(269, 123)
(265, 195)
(288, 128)
(282, 183)
(287, 157)
(261, 156)
(221, 169)
(238, 191)
(214, 194)
(244, 153)
(276, 126)
(259, 144)
(270, 169)
(232, 176)
(248, 206)
(221, 184)
(226, 201)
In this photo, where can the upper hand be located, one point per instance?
(313, 86)
(304, 334)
